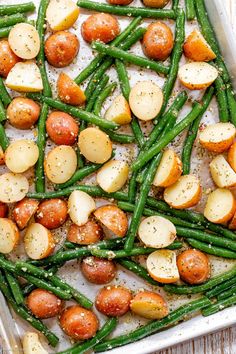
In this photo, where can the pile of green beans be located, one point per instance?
(16, 9)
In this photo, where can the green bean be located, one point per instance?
(165, 140)
(131, 58)
(148, 212)
(227, 293)
(5, 97)
(15, 288)
(108, 61)
(127, 10)
(154, 326)
(120, 138)
(4, 141)
(222, 99)
(192, 134)
(172, 111)
(11, 20)
(41, 142)
(216, 251)
(40, 26)
(68, 255)
(102, 97)
(205, 237)
(99, 88)
(232, 104)
(190, 10)
(98, 59)
(175, 59)
(196, 289)
(125, 88)
(144, 191)
(3, 116)
(80, 348)
(26, 315)
(219, 306)
(132, 188)
(4, 32)
(80, 114)
(15, 9)
(175, 4)
(136, 251)
(94, 191)
(56, 281)
(218, 289)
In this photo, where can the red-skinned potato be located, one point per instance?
(24, 211)
(193, 266)
(2, 156)
(23, 112)
(86, 234)
(113, 301)
(3, 210)
(149, 305)
(155, 3)
(197, 75)
(158, 41)
(162, 267)
(44, 304)
(7, 58)
(119, 2)
(196, 47)
(61, 48)
(220, 206)
(113, 218)
(52, 213)
(100, 27)
(9, 235)
(79, 323)
(217, 137)
(62, 128)
(38, 241)
(232, 224)
(69, 92)
(98, 270)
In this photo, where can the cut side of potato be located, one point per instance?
(61, 14)
(32, 345)
(221, 172)
(38, 241)
(169, 169)
(185, 193)
(24, 40)
(25, 77)
(95, 145)
(9, 235)
(13, 187)
(119, 111)
(197, 75)
(162, 266)
(217, 137)
(145, 100)
(21, 155)
(232, 156)
(60, 164)
(149, 305)
(220, 206)
(113, 176)
(113, 218)
(196, 47)
(80, 206)
(156, 232)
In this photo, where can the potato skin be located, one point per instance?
(193, 266)
(44, 304)
(158, 41)
(119, 2)
(7, 58)
(69, 92)
(100, 27)
(156, 3)
(62, 128)
(79, 323)
(61, 48)
(23, 113)
(52, 213)
(113, 218)
(3, 210)
(149, 305)
(197, 49)
(87, 234)
(98, 270)
(23, 211)
(113, 301)
(2, 157)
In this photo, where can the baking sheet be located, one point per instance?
(196, 326)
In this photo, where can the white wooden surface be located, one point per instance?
(223, 342)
